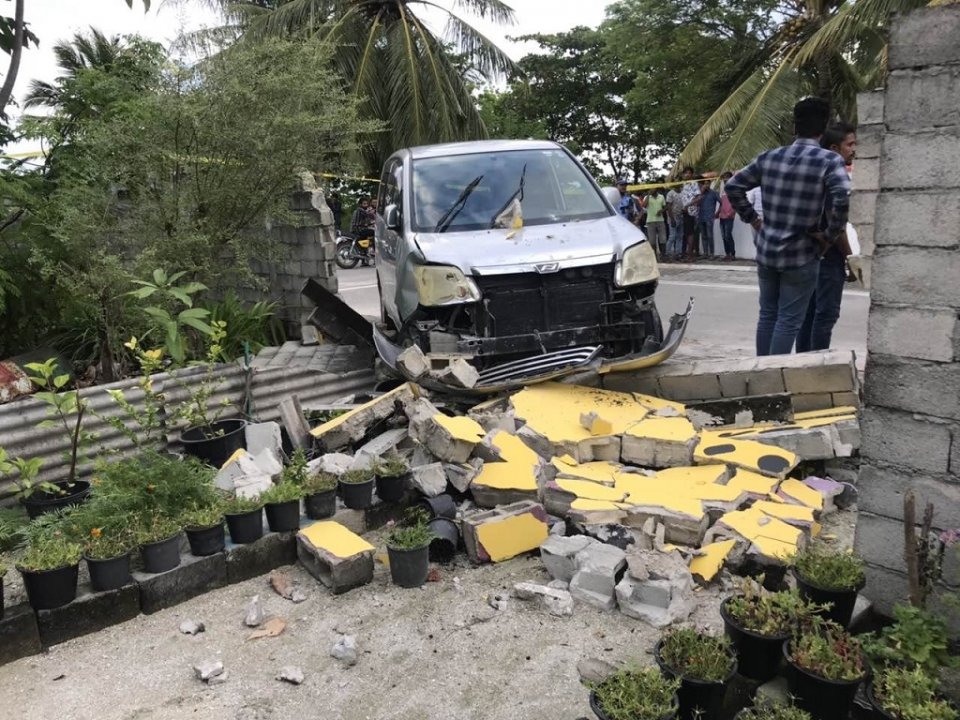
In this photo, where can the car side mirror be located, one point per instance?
(391, 217)
(612, 195)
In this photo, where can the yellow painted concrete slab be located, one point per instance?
(828, 412)
(513, 449)
(590, 490)
(711, 559)
(654, 403)
(554, 409)
(675, 429)
(746, 454)
(587, 505)
(511, 536)
(649, 492)
(785, 511)
(795, 491)
(821, 422)
(772, 537)
(692, 475)
(507, 476)
(753, 483)
(335, 539)
(600, 471)
(237, 454)
(461, 427)
(340, 419)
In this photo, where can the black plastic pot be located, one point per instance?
(48, 589)
(409, 568)
(879, 713)
(357, 496)
(283, 516)
(598, 711)
(162, 555)
(758, 656)
(41, 502)
(822, 698)
(841, 601)
(698, 698)
(245, 527)
(109, 573)
(321, 505)
(207, 540)
(215, 443)
(439, 506)
(392, 488)
(446, 541)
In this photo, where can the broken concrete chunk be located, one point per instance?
(333, 463)
(384, 444)
(458, 373)
(794, 491)
(336, 557)
(559, 555)
(431, 480)
(460, 475)
(192, 627)
(345, 650)
(595, 424)
(450, 439)
(260, 436)
(599, 567)
(659, 442)
(255, 615)
(766, 536)
(413, 363)
(504, 532)
(830, 490)
(208, 669)
(503, 483)
(746, 454)
(706, 565)
(353, 425)
(611, 533)
(556, 602)
(291, 674)
(657, 589)
(594, 670)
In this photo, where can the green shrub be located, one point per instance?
(769, 613)
(391, 466)
(413, 533)
(910, 694)
(774, 712)
(916, 637)
(296, 471)
(697, 655)
(320, 482)
(826, 649)
(637, 694)
(356, 477)
(105, 544)
(154, 528)
(202, 517)
(829, 570)
(50, 552)
(282, 492)
(239, 505)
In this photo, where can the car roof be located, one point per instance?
(478, 146)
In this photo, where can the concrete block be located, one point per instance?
(882, 487)
(19, 635)
(870, 107)
(826, 379)
(88, 613)
(460, 476)
(759, 382)
(950, 564)
(450, 439)
(918, 219)
(353, 425)
(879, 541)
(559, 555)
(459, 373)
(691, 387)
(556, 601)
(338, 558)
(885, 588)
(741, 411)
(657, 588)
(599, 569)
(916, 160)
(869, 139)
(897, 437)
(639, 382)
(812, 401)
(807, 443)
(431, 480)
(921, 99)
(251, 560)
(505, 532)
(413, 363)
(866, 175)
(921, 333)
(868, 246)
(913, 386)
(927, 36)
(263, 436)
(194, 576)
(863, 207)
(659, 443)
(846, 399)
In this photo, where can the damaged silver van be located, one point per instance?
(508, 254)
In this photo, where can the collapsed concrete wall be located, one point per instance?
(910, 135)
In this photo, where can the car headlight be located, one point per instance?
(638, 265)
(444, 285)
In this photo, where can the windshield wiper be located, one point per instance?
(450, 215)
(518, 191)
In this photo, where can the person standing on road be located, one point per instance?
(690, 199)
(709, 201)
(726, 215)
(655, 205)
(824, 308)
(361, 224)
(628, 207)
(795, 180)
(675, 218)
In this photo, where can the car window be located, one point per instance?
(469, 192)
(389, 186)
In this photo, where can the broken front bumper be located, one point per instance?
(550, 365)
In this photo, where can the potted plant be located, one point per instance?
(832, 579)
(898, 693)
(282, 503)
(635, 694)
(393, 475)
(773, 711)
(408, 549)
(320, 499)
(244, 519)
(159, 540)
(704, 665)
(204, 528)
(757, 623)
(916, 638)
(107, 553)
(356, 489)
(50, 568)
(827, 666)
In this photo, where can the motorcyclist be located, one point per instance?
(361, 224)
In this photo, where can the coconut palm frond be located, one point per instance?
(41, 93)
(847, 82)
(483, 53)
(497, 11)
(297, 17)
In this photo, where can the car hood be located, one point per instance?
(495, 251)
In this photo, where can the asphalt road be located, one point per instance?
(724, 318)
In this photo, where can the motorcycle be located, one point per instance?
(353, 250)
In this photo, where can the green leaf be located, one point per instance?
(60, 380)
(181, 296)
(194, 313)
(175, 347)
(193, 287)
(46, 424)
(198, 324)
(143, 293)
(159, 314)
(159, 277)
(176, 276)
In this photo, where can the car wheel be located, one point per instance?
(344, 258)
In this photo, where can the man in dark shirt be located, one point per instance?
(709, 200)
(795, 180)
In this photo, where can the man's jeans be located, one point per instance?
(675, 240)
(726, 232)
(784, 297)
(824, 308)
(706, 238)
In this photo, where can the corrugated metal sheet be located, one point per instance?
(20, 436)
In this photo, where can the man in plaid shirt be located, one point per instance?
(795, 180)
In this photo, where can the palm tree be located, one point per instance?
(82, 52)
(405, 74)
(831, 48)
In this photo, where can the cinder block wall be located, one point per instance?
(911, 418)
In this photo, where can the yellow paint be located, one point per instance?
(675, 429)
(744, 454)
(513, 449)
(460, 427)
(753, 483)
(507, 476)
(599, 427)
(335, 539)
(654, 403)
(591, 490)
(587, 505)
(599, 472)
(829, 412)
(509, 537)
(553, 410)
(692, 475)
(785, 511)
(772, 537)
(821, 422)
(795, 490)
(340, 419)
(649, 492)
(237, 454)
(711, 559)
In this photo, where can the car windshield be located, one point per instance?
(470, 192)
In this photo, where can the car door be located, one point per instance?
(389, 237)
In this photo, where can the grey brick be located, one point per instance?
(812, 401)
(632, 382)
(897, 437)
(914, 386)
(826, 379)
(863, 207)
(922, 99)
(885, 588)
(758, 382)
(923, 219)
(922, 333)
(882, 487)
(870, 107)
(194, 576)
(869, 138)
(19, 635)
(846, 399)
(918, 160)
(90, 612)
(691, 387)
(928, 36)
(879, 541)
(866, 175)
(916, 276)
(865, 236)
